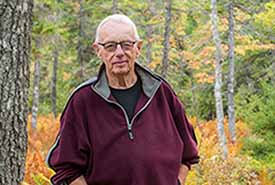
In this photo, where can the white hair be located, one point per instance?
(117, 18)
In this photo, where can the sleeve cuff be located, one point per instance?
(190, 162)
(64, 181)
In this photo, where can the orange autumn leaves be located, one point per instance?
(238, 168)
(39, 142)
(211, 170)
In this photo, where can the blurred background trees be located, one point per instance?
(178, 43)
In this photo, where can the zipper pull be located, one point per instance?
(130, 133)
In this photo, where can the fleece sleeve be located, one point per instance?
(190, 152)
(69, 155)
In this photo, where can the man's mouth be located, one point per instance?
(120, 62)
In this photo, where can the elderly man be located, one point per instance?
(125, 127)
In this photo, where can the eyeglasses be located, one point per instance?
(112, 46)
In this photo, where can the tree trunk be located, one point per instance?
(168, 16)
(114, 7)
(149, 32)
(80, 45)
(218, 79)
(35, 100)
(230, 88)
(53, 84)
(15, 45)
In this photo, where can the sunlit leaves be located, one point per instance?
(39, 142)
(266, 19)
(212, 169)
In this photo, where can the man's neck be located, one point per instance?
(122, 81)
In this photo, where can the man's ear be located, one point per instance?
(139, 46)
(96, 47)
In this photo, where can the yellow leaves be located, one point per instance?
(203, 77)
(155, 20)
(156, 61)
(66, 76)
(212, 169)
(210, 62)
(206, 51)
(224, 20)
(25, 183)
(76, 6)
(263, 177)
(41, 179)
(243, 39)
(241, 15)
(172, 43)
(245, 43)
(188, 55)
(267, 17)
(242, 49)
(223, 24)
(194, 64)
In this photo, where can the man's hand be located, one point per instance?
(79, 181)
(183, 174)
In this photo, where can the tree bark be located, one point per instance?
(54, 79)
(230, 88)
(149, 31)
(15, 45)
(35, 100)
(218, 78)
(114, 7)
(165, 63)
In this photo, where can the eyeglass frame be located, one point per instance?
(118, 43)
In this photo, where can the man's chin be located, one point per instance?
(121, 71)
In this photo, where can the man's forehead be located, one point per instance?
(116, 30)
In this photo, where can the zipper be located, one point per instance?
(129, 124)
(144, 107)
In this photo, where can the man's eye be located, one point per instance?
(110, 45)
(127, 45)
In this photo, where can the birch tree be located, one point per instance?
(54, 81)
(114, 7)
(218, 78)
(149, 31)
(15, 45)
(35, 99)
(230, 88)
(80, 45)
(168, 16)
(56, 17)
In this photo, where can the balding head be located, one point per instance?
(116, 18)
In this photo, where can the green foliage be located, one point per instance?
(40, 179)
(191, 24)
(258, 110)
(56, 26)
(265, 19)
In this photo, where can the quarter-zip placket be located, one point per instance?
(129, 124)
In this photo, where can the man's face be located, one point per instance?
(119, 59)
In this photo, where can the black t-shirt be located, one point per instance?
(128, 97)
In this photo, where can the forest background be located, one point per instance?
(209, 51)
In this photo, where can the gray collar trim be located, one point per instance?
(150, 82)
(102, 86)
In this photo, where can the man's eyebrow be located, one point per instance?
(116, 41)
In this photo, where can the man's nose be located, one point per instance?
(119, 51)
